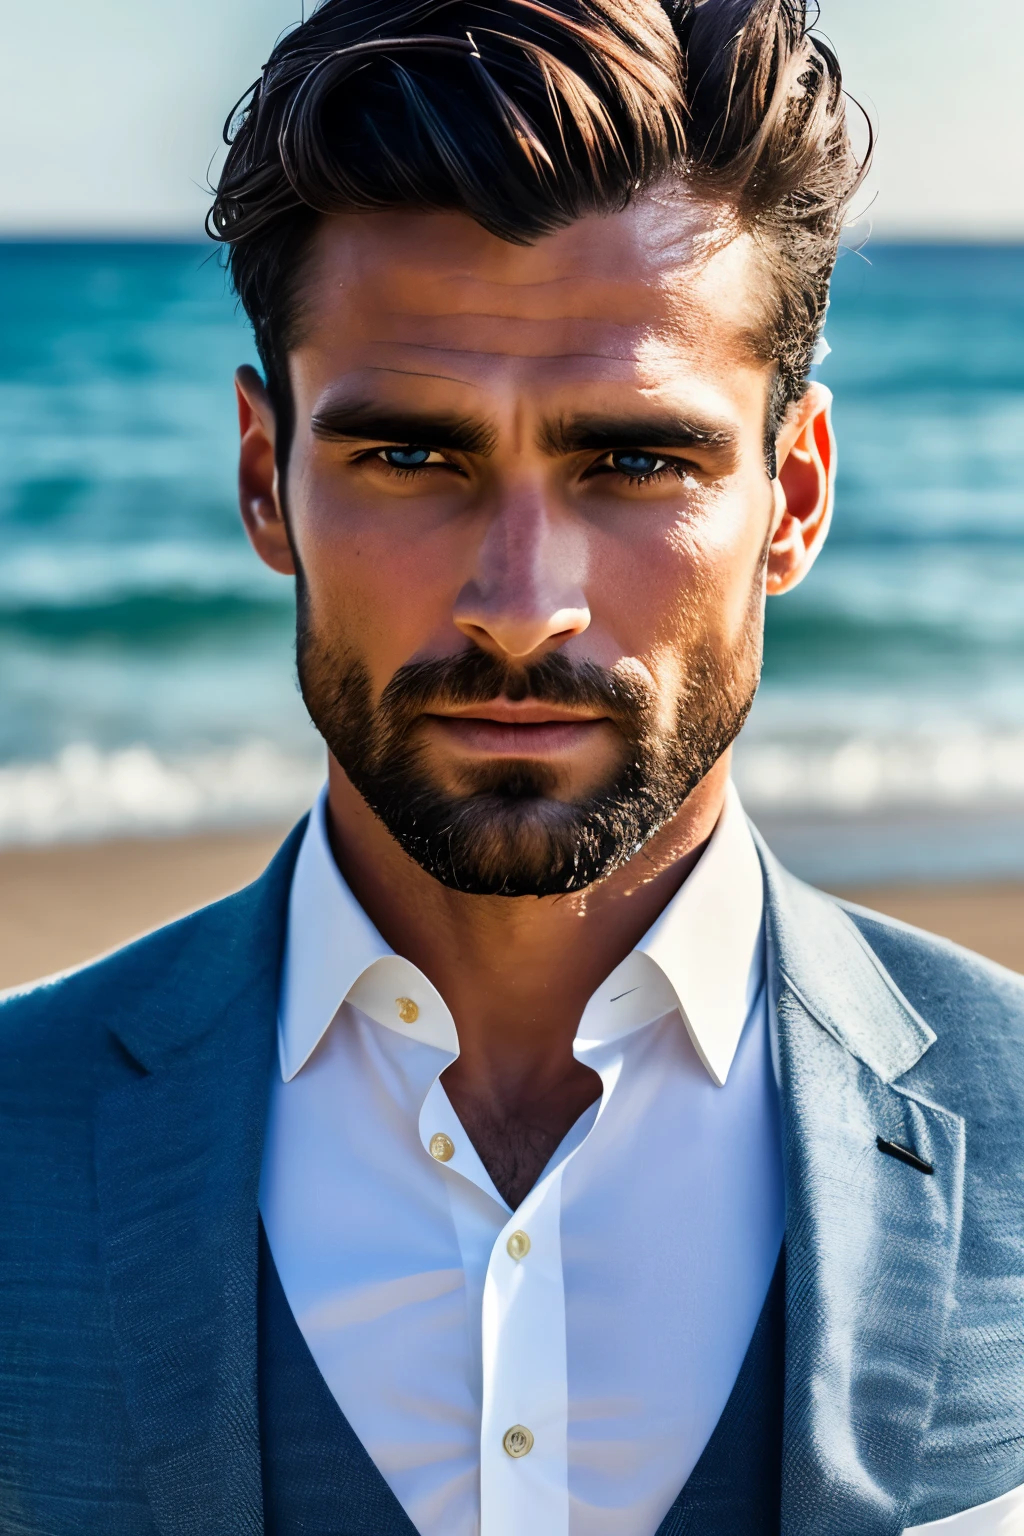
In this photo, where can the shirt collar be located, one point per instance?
(334, 954)
(704, 955)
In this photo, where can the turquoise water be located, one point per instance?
(146, 668)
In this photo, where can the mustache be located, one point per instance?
(476, 677)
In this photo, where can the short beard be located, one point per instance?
(507, 835)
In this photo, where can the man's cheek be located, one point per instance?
(353, 581)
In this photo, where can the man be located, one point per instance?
(525, 1150)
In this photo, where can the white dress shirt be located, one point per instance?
(605, 1320)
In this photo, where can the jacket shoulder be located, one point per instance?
(59, 1025)
(960, 993)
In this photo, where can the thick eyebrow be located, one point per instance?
(603, 433)
(371, 421)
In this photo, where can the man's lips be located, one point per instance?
(519, 712)
(506, 729)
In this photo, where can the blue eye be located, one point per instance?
(407, 457)
(631, 461)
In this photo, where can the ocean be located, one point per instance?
(146, 657)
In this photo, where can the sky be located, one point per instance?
(110, 110)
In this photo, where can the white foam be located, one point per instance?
(84, 793)
(871, 772)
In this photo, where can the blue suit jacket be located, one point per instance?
(133, 1095)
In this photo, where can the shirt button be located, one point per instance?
(408, 1011)
(442, 1147)
(518, 1441)
(518, 1247)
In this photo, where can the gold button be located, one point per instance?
(442, 1147)
(518, 1441)
(408, 1011)
(518, 1246)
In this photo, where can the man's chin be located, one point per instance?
(494, 844)
(525, 784)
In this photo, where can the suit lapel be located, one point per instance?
(178, 1159)
(871, 1243)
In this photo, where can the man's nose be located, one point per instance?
(526, 597)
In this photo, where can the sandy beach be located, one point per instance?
(62, 905)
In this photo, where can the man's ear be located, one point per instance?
(259, 495)
(804, 489)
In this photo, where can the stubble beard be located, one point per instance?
(506, 834)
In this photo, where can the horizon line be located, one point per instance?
(938, 236)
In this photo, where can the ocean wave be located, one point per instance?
(185, 617)
(85, 794)
(58, 574)
(164, 590)
(868, 773)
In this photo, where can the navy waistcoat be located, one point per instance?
(318, 1479)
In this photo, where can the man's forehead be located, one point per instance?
(659, 256)
(620, 299)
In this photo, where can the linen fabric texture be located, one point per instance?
(133, 1098)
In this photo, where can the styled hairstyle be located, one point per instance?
(528, 114)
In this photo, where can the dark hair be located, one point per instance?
(528, 114)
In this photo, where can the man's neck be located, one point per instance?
(516, 973)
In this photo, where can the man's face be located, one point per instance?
(528, 506)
